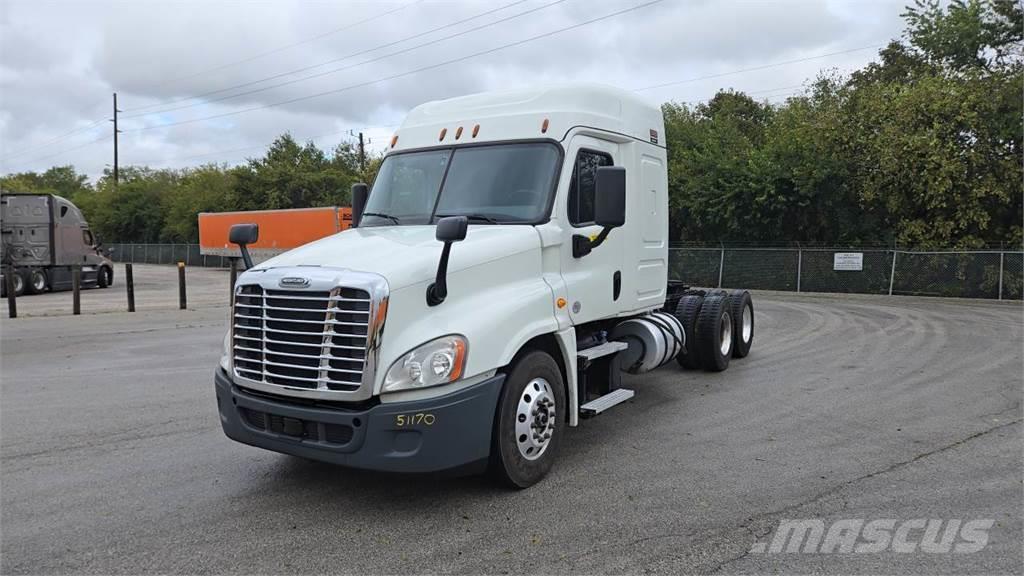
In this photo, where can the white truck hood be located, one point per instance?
(406, 255)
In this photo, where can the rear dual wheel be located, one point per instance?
(687, 311)
(718, 325)
(714, 333)
(37, 281)
(742, 310)
(19, 283)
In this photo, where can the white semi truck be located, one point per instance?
(510, 262)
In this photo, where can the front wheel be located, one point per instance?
(104, 277)
(530, 420)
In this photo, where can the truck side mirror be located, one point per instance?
(360, 192)
(610, 196)
(243, 235)
(609, 208)
(450, 229)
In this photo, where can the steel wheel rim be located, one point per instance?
(19, 283)
(748, 324)
(38, 282)
(725, 335)
(536, 415)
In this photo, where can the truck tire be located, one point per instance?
(37, 281)
(104, 277)
(19, 283)
(714, 333)
(686, 312)
(529, 424)
(742, 309)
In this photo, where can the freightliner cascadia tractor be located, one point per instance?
(508, 265)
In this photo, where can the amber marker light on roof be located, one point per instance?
(544, 126)
(394, 140)
(475, 130)
(443, 132)
(458, 133)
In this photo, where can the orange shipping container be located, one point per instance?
(280, 230)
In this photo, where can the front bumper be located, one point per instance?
(450, 431)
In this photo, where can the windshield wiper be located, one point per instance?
(471, 217)
(385, 216)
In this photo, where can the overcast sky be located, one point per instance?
(182, 63)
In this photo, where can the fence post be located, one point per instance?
(181, 286)
(799, 266)
(12, 298)
(1002, 256)
(721, 265)
(129, 284)
(76, 289)
(892, 273)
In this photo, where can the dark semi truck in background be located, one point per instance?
(43, 238)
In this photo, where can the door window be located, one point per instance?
(582, 187)
(87, 237)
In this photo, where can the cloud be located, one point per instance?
(59, 63)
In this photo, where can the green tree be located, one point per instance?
(291, 175)
(60, 180)
(208, 188)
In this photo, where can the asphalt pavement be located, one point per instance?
(112, 459)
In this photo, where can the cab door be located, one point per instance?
(594, 281)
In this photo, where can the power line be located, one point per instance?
(65, 151)
(285, 47)
(402, 74)
(56, 139)
(314, 66)
(348, 131)
(755, 68)
(350, 66)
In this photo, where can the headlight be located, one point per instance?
(436, 362)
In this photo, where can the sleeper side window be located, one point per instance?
(582, 186)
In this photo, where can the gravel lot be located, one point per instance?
(113, 460)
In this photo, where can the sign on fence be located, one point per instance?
(848, 261)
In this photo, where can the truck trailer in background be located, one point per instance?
(44, 238)
(280, 230)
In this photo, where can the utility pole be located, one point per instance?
(116, 132)
(362, 154)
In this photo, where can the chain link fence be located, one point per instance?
(165, 254)
(994, 274)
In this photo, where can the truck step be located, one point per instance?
(613, 398)
(601, 350)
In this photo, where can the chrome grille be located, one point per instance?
(302, 339)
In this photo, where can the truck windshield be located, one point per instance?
(504, 184)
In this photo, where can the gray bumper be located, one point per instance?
(451, 431)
